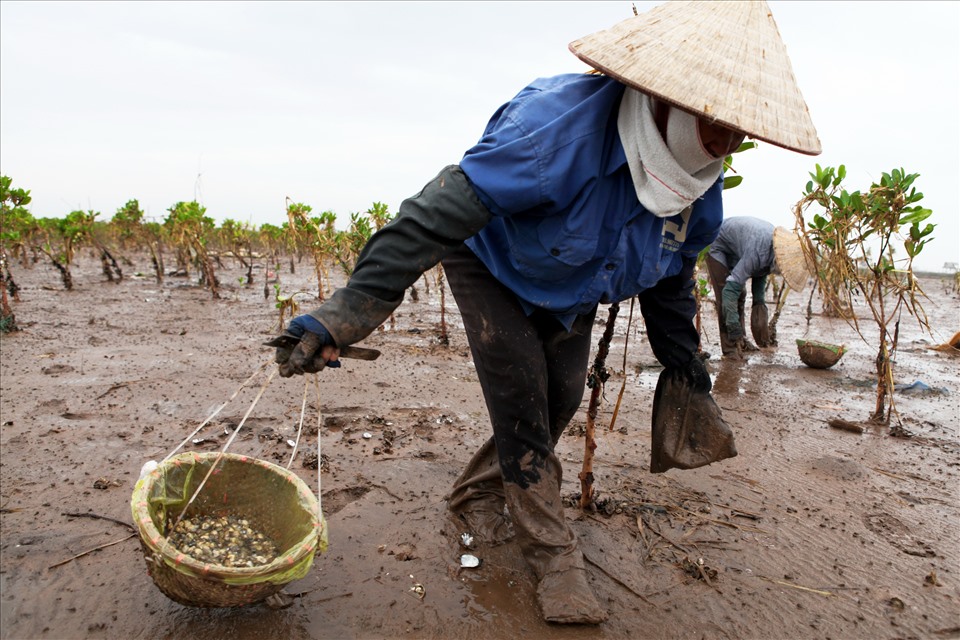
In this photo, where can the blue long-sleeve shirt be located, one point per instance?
(568, 231)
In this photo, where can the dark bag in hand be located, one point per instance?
(688, 428)
(760, 325)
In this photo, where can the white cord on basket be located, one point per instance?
(316, 383)
(303, 410)
(218, 410)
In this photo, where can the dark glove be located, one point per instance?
(688, 428)
(299, 347)
(696, 375)
(760, 325)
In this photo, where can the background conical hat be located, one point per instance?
(721, 60)
(791, 260)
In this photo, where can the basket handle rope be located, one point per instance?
(217, 411)
(303, 411)
(316, 383)
(230, 440)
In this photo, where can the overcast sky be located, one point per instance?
(337, 105)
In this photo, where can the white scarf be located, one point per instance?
(668, 176)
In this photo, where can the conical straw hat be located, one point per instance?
(790, 258)
(724, 61)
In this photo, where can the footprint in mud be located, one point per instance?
(56, 369)
(897, 534)
(51, 406)
(336, 500)
(840, 468)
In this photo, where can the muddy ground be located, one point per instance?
(811, 532)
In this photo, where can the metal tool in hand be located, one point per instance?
(290, 342)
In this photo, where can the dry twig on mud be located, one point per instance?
(119, 385)
(619, 581)
(99, 517)
(796, 586)
(722, 522)
(89, 551)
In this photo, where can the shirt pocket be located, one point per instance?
(553, 252)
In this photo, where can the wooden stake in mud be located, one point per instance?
(595, 380)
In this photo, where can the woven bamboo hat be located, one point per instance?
(791, 259)
(724, 61)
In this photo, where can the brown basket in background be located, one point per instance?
(275, 501)
(819, 355)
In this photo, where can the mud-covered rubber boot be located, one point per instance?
(476, 502)
(487, 525)
(566, 598)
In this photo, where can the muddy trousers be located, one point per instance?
(533, 374)
(718, 278)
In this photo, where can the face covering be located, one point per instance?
(668, 175)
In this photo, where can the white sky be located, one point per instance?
(337, 105)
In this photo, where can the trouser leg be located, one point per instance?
(718, 278)
(533, 374)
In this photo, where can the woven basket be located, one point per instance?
(819, 355)
(275, 501)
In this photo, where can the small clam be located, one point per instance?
(229, 541)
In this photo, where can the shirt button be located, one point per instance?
(554, 252)
(610, 266)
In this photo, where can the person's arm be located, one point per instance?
(428, 226)
(668, 311)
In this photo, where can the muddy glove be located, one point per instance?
(299, 347)
(688, 428)
(731, 312)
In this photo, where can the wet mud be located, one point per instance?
(810, 532)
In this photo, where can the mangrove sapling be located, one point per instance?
(50, 243)
(348, 244)
(11, 287)
(595, 380)
(444, 337)
(238, 237)
(779, 299)
(109, 266)
(189, 227)
(132, 230)
(287, 306)
(852, 239)
(8, 321)
(316, 233)
(87, 229)
(16, 224)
